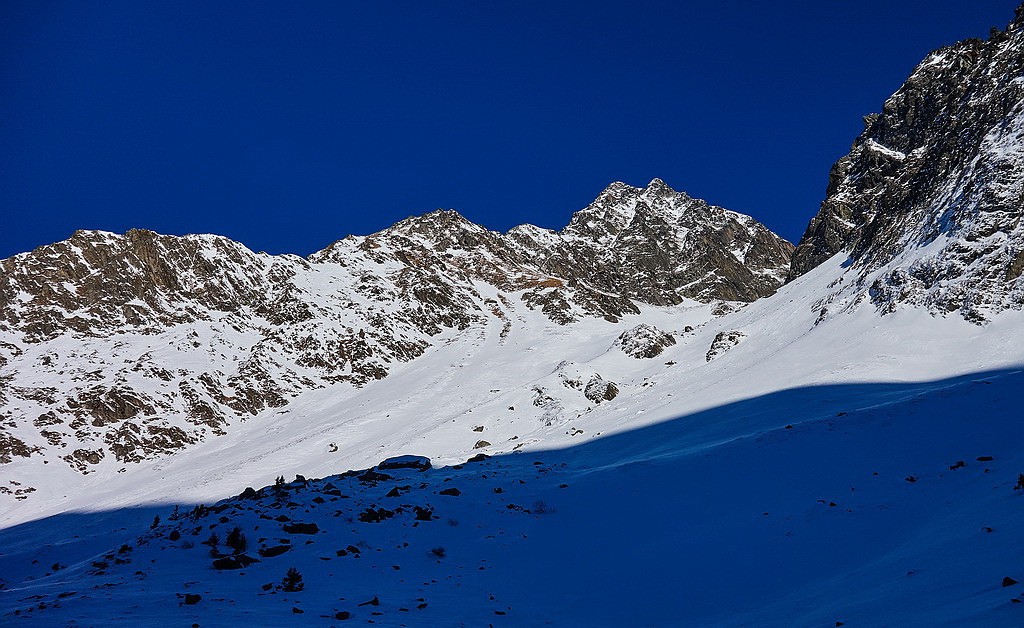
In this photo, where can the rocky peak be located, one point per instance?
(932, 192)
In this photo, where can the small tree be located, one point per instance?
(1020, 482)
(292, 580)
(156, 522)
(236, 540)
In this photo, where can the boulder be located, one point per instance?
(420, 463)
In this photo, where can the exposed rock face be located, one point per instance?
(656, 245)
(599, 389)
(117, 348)
(928, 203)
(724, 341)
(644, 341)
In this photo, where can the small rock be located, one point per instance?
(270, 552)
(238, 561)
(1008, 581)
(301, 528)
(454, 492)
(374, 602)
(373, 476)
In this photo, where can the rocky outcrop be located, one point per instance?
(644, 341)
(724, 341)
(928, 203)
(599, 389)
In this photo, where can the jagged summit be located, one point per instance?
(928, 202)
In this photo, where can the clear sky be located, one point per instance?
(287, 125)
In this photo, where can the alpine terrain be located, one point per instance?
(662, 414)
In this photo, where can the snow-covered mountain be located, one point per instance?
(119, 348)
(631, 421)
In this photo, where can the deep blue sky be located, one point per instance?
(288, 125)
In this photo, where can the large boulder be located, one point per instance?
(644, 341)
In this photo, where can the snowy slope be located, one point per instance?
(663, 518)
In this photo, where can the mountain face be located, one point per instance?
(124, 347)
(928, 203)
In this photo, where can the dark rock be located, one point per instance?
(342, 615)
(270, 552)
(375, 515)
(454, 492)
(1008, 581)
(238, 561)
(249, 493)
(301, 528)
(478, 457)
(374, 476)
(174, 535)
(190, 598)
(374, 602)
(421, 463)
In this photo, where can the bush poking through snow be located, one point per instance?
(292, 580)
(540, 507)
(1020, 482)
(237, 541)
(438, 552)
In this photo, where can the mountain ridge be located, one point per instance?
(137, 345)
